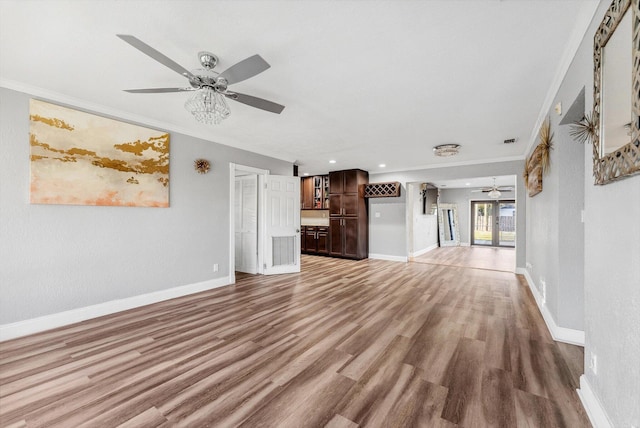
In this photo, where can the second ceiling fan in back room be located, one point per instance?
(208, 104)
(494, 192)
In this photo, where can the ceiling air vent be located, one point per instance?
(510, 141)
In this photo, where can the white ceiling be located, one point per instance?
(363, 82)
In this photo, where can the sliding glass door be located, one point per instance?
(493, 223)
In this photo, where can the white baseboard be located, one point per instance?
(465, 244)
(48, 322)
(592, 406)
(559, 334)
(424, 250)
(388, 257)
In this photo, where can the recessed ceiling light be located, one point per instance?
(332, 161)
(306, 173)
(467, 184)
(382, 165)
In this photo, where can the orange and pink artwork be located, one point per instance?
(80, 158)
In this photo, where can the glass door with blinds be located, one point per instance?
(493, 223)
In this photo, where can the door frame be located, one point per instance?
(261, 174)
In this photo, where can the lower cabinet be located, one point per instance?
(340, 239)
(315, 240)
(344, 238)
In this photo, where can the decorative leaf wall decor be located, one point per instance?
(584, 130)
(545, 146)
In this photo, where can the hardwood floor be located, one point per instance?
(493, 258)
(343, 344)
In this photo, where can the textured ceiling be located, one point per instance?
(363, 82)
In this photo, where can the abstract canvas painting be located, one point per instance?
(83, 159)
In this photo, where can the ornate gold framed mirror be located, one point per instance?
(616, 93)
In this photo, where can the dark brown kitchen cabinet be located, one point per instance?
(322, 240)
(343, 204)
(314, 193)
(345, 239)
(347, 181)
(348, 221)
(306, 193)
(316, 240)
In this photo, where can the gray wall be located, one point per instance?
(462, 198)
(387, 225)
(611, 268)
(56, 257)
(555, 232)
(397, 228)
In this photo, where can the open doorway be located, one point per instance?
(264, 222)
(246, 222)
(246, 219)
(495, 247)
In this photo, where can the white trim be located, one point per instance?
(388, 257)
(465, 244)
(559, 334)
(595, 411)
(423, 251)
(583, 20)
(48, 322)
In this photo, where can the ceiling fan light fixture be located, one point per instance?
(208, 106)
(446, 150)
(494, 194)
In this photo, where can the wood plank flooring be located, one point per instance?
(343, 344)
(493, 258)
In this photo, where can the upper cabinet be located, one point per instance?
(306, 193)
(347, 181)
(314, 193)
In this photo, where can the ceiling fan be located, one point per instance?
(494, 191)
(208, 104)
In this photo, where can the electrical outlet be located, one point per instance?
(215, 267)
(529, 265)
(593, 363)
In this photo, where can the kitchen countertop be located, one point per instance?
(314, 222)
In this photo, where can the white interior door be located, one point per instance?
(282, 243)
(246, 223)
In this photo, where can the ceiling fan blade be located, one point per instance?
(157, 90)
(158, 56)
(256, 102)
(245, 69)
